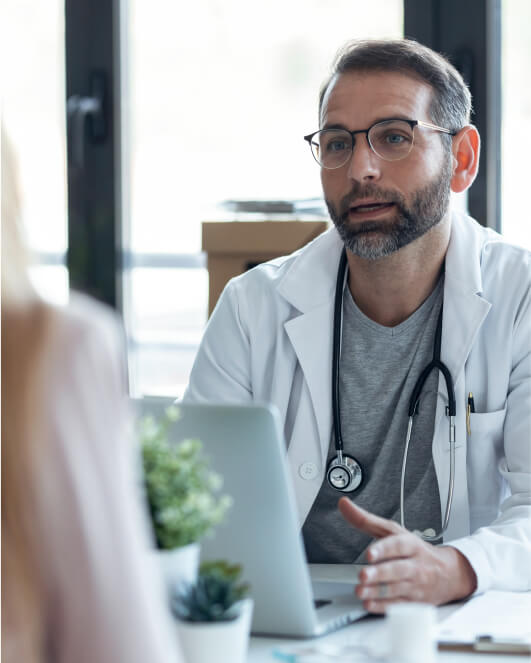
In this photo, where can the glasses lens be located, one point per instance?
(391, 140)
(332, 148)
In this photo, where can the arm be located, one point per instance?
(221, 371)
(501, 551)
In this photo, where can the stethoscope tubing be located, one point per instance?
(430, 538)
(336, 352)
(435, 364)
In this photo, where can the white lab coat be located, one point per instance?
(270, 339)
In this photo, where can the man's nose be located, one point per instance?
(364, 164)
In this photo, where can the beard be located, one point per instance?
(377, 239)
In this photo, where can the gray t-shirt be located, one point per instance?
(378, 369)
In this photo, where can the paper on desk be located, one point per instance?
(502, 615)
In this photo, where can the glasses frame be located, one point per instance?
(412, 124)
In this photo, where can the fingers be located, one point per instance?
(365, 521)
(402, 568)
(390, 572)
(404, 591)
(404, 544)
(377, 598)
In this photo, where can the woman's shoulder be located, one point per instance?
(86, 322)
(84, 316)
(85, 340)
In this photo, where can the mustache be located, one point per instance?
(359, 192)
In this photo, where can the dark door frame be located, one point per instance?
(93, 82)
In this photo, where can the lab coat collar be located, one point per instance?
(309, 281)
(463, 258)
(317, 265)
(464, 307)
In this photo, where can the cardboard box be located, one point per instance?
(233, 247)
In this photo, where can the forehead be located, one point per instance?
(357, 99)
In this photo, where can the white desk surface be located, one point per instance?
(370, 630)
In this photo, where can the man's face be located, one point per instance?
(380, 206)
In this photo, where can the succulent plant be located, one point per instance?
(213, 597)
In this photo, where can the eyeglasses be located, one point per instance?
(390, 139)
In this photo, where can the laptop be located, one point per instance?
(244, 444)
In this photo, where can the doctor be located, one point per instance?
(420, 286)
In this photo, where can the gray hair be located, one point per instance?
(451, 103)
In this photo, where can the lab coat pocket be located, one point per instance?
(485, 449)
(487, 423)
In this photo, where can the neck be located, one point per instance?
(390, 289)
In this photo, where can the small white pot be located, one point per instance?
(222, 642)
(179, 565)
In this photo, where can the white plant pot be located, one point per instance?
(219, 642)
(179, 565)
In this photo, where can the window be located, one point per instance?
(516, 120)
(220, 97)
(34, 117)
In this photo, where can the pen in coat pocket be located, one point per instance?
(470, 408)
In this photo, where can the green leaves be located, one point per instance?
(214, 595)
(181, 489)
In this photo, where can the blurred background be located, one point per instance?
(134, 120)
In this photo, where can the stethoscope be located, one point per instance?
(344, 473)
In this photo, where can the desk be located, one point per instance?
(369, 630)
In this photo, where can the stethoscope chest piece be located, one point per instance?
(344, 473)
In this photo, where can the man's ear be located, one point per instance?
(465, 152)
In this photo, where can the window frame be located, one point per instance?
(99, 258)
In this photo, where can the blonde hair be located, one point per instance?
(25, 321)
(16, 285)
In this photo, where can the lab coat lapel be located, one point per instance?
(310, 332)
(464, 313)
(311, 337)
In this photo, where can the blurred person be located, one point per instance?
(76, 581)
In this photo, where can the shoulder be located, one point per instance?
(505, 277)
(501, 257)
(505, 267)
(85, 344)
(306, 275)
(84, 322)
(496, 258)
(494, 248)
(84, 318)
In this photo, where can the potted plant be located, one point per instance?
(182, 494)
(214, 615)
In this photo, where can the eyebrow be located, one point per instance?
(381, 119)
(334, 126)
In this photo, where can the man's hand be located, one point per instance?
(403, 567)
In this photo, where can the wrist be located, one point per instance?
(459, 572)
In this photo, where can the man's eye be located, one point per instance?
(336, 146)
(395, 139)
